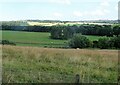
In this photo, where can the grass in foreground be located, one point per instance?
(48, 65)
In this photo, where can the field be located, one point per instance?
(36, 39)
(60, 23)
(49, 65)
(54, 23)
(30, 62)
(31, 38)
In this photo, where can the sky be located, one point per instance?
(64, 10)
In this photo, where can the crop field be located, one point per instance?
(60, 23)
(36, 39)
(52, 24)
(50, 65)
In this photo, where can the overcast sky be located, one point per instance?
(68, 10)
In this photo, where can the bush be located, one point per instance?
(79, 41)
(112, 42)
(117, 42)
(95, 44)
(6, 42)
(103, 43)
(116, 30)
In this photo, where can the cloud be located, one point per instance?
(66, 2)
(97, 13)
(57, 14)
(100, 12)
(8, 1)
(116, 8)
(104, 4)
(90, 14)
(77, 13)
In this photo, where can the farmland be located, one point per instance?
(60, 23)
(49, 65)
(72, 42)
(35, 58)
(36, 39)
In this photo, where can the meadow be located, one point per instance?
(39, 39)
(50, 65)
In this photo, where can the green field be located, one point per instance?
(36, 39)
(31, 38)
(49, 65)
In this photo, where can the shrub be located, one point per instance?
(7, 42)
(117, 42)
(112, 42)
(103, 43)
(79, 41)
(116, 30)
(95, 44)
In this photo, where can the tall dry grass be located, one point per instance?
(33, 64)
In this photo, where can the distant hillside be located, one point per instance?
(14, 23)
(45, 21)
(88, 21)
(103, 21)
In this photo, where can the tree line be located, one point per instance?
(69, 32)
(81, 41)
(85, 29)
(27, 28)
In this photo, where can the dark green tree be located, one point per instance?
(116, 30)
(103, 43)
(79, 41)
(61, 32)
(117, 41)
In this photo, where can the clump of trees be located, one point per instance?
(99, 30)
(85, 29)
(116, 30)
(37, 28)
(80, 41)
(116, 41)
(105, 43)
(61, 32)
(7, 42)
(27, 28)
(13, 25)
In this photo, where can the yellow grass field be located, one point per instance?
(52, 24)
